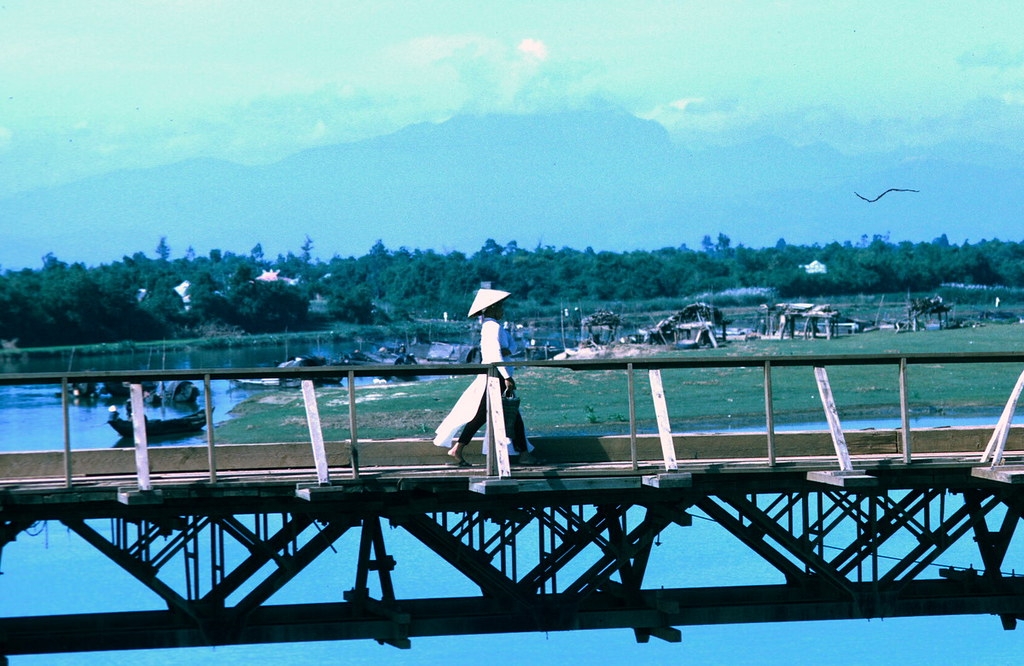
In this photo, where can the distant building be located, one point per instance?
(274, 276)
(815, 267)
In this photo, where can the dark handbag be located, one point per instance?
(510, 408)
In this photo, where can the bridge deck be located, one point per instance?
(851, 523)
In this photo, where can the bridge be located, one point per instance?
(851, 523)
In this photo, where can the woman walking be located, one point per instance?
(470, 411)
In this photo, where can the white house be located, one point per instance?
(815, 267)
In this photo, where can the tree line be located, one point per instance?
(149, 298)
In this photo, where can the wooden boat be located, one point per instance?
(183, 425)
(287, 382)
(179, 391)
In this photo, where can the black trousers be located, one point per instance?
(518, 433)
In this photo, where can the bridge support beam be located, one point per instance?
(560, 553)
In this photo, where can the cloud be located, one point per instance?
(318, 133)
(478, 74)
(690, 117)
(534, 48)
(685, 103)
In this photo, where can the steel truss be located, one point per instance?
(545, 561)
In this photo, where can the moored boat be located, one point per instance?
(190, 423)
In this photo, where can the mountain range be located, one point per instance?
(601, 180)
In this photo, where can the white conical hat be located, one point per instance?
(485, 298)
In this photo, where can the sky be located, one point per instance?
(91, 86)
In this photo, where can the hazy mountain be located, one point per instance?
(604, 180)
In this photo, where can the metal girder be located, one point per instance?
(480, 615)
(546, 561)
(486, 549)
(146, 559)
(10, 529)
(844, 539)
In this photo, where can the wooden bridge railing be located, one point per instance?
(497, 459)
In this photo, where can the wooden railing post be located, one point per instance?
(832, 416)
(354, 446)
(210, 454)
(631, 387)
(769, 412)
(316, 436)
(997, 443)
(668, 448)
(141, 437)
(497, 438)
(904, 410)
(67, 431)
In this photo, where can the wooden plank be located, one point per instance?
(499, 441)
(997, 444)
(141, 440)
(67, 431)
(352, 423)
(692, 448)
(843, 479)
(668, 451)
(317, 492)
(211, 454)
(769, 411)
(832, 416)
(494, 486)
(904, 410)
(316, 435)
(132, 497)
(562, 484)
(1010, 474)
(669, 480)
(631, 389)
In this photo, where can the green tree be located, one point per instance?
(163, 250)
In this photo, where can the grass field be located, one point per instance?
(560, 401)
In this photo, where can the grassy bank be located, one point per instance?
(556, 401)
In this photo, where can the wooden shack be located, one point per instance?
(811, 320)
(602, 326)
(695, 325)
(925, 307)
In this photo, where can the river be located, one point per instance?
(31, 416)
(49, 570)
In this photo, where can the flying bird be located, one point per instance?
(891, 189)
